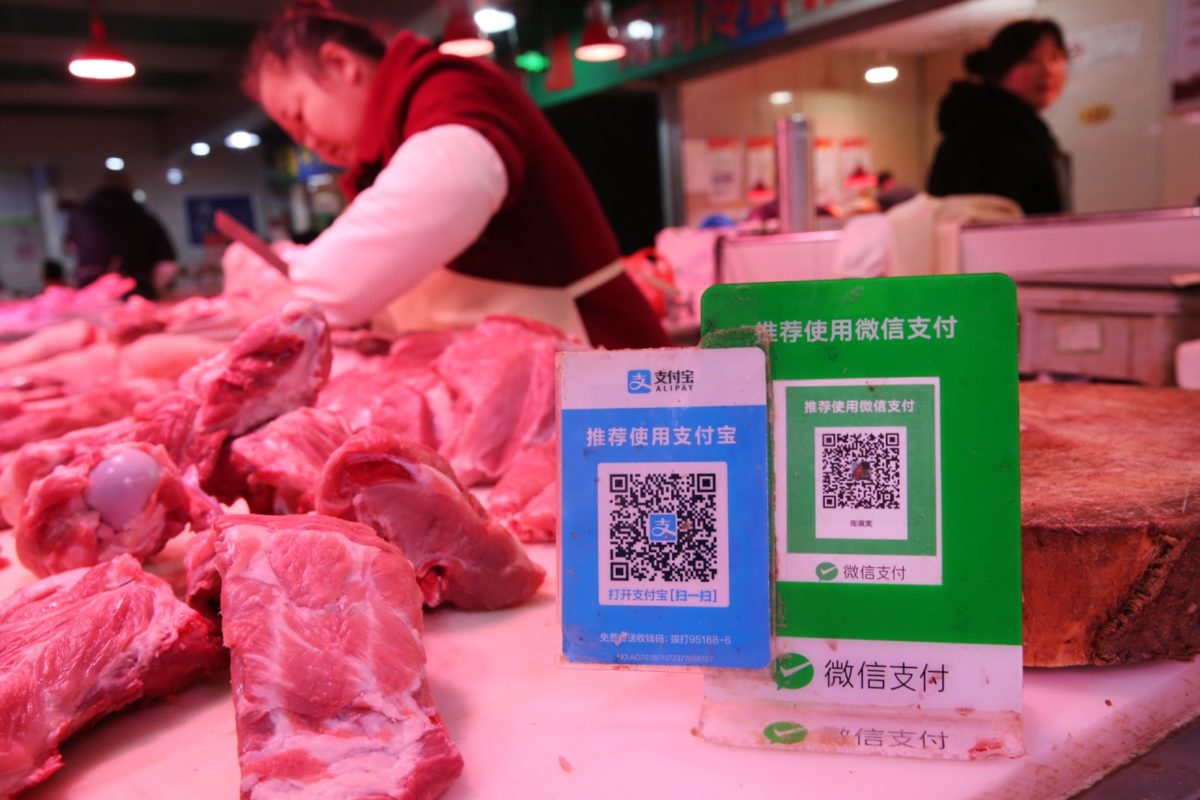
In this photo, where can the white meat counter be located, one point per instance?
(528, 728)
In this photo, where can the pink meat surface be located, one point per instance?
(277, 467)
(36, 419)
(75, 368)
(165, 355)
(83, 644)
(323, 623)
(279, 363)
(410, 496)
(525, 500)
(167, 420)
(66, 337)
(125, 498)
(501, 375)
(400, 391)
(57, 303)
(276, 365)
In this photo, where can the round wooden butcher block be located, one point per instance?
(1110, 511)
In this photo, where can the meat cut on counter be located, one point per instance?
(122, 432)
(409, 495)
(124, 498)
(85, 643)
(323, 623)
(277, 468)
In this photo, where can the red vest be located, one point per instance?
(550, 230)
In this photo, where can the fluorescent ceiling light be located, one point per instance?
(201, 149)
(491, 20)
(101, 69)
(882, 74)
(242, 140)
(780, 98)
(174, 176)
(115, 164)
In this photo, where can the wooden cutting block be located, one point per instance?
(1110, 523)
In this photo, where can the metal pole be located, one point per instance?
(794, 174)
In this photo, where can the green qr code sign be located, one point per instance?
(862, 467)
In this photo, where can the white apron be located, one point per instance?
(448, 299)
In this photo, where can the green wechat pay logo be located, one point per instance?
(785, 732)
(827, 571)
(793, 671)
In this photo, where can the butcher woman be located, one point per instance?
(463, 200)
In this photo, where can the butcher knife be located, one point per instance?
(231, 228)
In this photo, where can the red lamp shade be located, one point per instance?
(599, 43)
(99, 60)
(462, 37)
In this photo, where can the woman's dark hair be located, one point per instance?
(1009, 46)
(301, 31)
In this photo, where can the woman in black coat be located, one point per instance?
(993, 141)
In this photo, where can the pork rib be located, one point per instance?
(323, 623)
(410, 496)
(82, 644)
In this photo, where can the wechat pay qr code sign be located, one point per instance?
(861, 470)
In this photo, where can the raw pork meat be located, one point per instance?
(125, 498)
(65, 337)
(165, 355)
(410, 496)
(85, 643)
(167, 420)
(501, 373)
(401, 391)
(36, 419)
(277, 364)
(57, 303)
(323, 623)
(277, 467)
(76, 368)
(525, 500)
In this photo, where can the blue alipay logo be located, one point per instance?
(638, 381)
(663, 528)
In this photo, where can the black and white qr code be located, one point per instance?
(663, 526)
(861, 468)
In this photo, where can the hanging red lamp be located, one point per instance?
(599, 41)
(100, 61)
(462, 36)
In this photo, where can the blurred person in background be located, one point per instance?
(463, 199)
(994, 140)
(890, 192)
(112, 232)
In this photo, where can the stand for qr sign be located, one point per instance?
(843, 559)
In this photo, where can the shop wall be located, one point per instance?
(828, 88)
(1117, 162)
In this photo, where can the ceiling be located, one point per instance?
(966, 24)
(188, 55)
(189, 52)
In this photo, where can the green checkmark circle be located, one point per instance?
(793, 671)
(785, 732)
(826, 571)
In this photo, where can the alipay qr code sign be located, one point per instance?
(896, 517)
(665, 541)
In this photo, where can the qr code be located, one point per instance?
(663, 526)
(861, 468)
